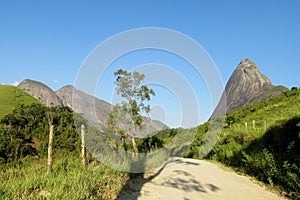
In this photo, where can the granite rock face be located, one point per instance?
(245, 86)
(92, 108)
(97, 111)
(245, 82)
(40, 92)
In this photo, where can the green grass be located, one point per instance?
(275, 90)
(23, 151)
(67, 180)
(271, 155)
(10, 97)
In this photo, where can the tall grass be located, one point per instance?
(27, 179)
(272, 154)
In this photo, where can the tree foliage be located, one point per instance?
(25, 131)
(129, 86)
(126, 117)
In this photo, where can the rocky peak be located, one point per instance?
(40, 92)
(65, 94)
(246, 63)
(246, 85)
(246, 79)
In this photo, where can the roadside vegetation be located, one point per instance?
(23, 158)
(27, 179)
(261, 140)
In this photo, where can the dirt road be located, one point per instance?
(195, 179)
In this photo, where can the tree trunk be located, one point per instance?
(135, 149)
(49, 162)
(124, 143)
(115, 149)
(83, 146)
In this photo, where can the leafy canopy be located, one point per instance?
(129, 112)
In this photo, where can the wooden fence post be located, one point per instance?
(150, 147)
(83, 146)
(265, 125)
(49, 162)
(254, 127)
(246, 125)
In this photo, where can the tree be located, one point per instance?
(230, 119)
(294, 88)
(126, 117)
(25, 131)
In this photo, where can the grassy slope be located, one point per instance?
(281, 107)
(10, 97)
(254, 151)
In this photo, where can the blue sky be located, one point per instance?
(49, 40)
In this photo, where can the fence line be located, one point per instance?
(255, 126)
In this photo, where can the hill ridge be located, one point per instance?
(41, 92)
(11, 96)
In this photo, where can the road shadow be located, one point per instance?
(185, 162)
(182, 180)
(133, 187)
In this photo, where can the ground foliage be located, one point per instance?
(270, 153)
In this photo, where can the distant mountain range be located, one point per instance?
(245, 86)
(95, 110)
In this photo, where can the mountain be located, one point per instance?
(11, 97)
(267, 148)
(97, 111)
(41, 92)
(92, 108)
(245, 86)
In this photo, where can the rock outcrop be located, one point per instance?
(97, 111)
(92, 108)
(245, 86)
(40, 92)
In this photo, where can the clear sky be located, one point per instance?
(49, 40)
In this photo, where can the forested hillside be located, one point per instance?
(25, 131)
(23, 158)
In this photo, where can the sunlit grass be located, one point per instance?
(67, 180)
(12, 96)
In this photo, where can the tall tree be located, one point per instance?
(126, 117)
